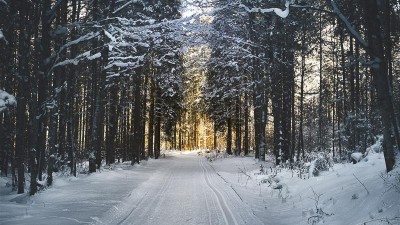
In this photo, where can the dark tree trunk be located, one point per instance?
(246, 145)
(43, 85)
(215, 137)
(112, 123)
(380, 77)
(151, 121)
(321, 87)
(229, 137)
(238, 127)
(143, 116)
(157, 125)
(22, 93)
(98, 117)
(300, 148)
(137, 118)
(33, 168)
(9, 77)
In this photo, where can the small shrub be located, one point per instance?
(322, 164)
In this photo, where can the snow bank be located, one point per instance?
(6, 100)
(345, 194)
(377, 147)
(74, 200)
(356, 156)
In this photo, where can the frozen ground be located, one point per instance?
(185, 188)
(334, 197)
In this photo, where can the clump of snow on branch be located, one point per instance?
(2, 37)
(356, 156)
(6, 100)
(279, 12)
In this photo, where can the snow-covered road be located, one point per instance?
(179, 189)
(185, 190)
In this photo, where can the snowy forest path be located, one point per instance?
(184, 190)
(228, 216)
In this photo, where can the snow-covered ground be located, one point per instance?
(334, 197)
(186, 188)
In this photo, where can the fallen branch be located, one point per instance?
(361, 183)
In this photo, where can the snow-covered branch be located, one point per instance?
(6, 101)
(76, 60)
(2, 37)
(279, 12)
(125, 5)
(123, 62)
(347, 24)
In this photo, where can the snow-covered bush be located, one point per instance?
(377, 146)
(301, 167)
(313, 163)
(6, 101)
(318, 214)
(392, 180)
(322, 163)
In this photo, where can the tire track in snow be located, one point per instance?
(143, 214)
(243, 210)
(229, 218)
(205, 197)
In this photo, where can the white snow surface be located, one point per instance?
(187, 188)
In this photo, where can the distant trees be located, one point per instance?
(321, 40)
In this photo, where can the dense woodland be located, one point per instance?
(106, 81)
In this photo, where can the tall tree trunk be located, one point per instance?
(215, 136)
(151, 121)
(137, 118)
(238, 126)
(157, 126)
(229, 137)
(321, 87)
(8, 59)
(258, 91)
(388, 46)
(300, 148)
(98, 117)
(246, 140)
(351, 120)
(143, 116)
(71, 120)
(22, 93)
(380, 77)
(112, 123)
(43, 84)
